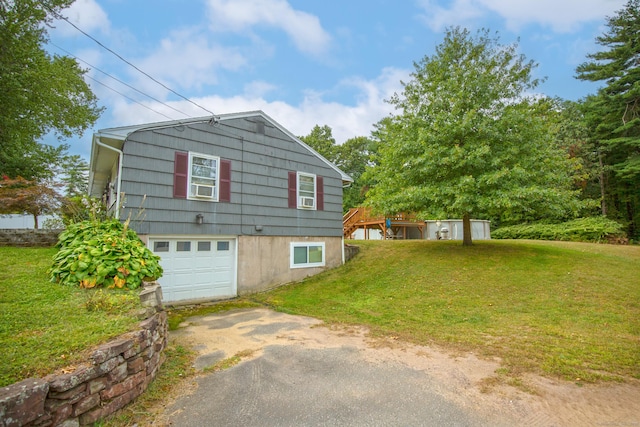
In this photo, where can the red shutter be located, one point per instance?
(293, 190)
(225, 180)
(319, 193)
(180, 174)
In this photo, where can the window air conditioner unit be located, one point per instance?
(307, 202)
(205, 191)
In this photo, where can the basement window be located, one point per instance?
(307, 254)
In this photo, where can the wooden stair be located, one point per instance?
(363, 217)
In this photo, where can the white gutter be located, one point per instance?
(120, 154)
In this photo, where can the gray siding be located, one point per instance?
(259, 178)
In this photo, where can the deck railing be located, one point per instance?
(360, 216)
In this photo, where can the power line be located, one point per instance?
(130, 99)
(59, 16)
(118, 80)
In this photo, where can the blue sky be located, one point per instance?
(303, 62)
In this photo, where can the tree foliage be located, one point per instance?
(75, 175)
(613, 114)
(21, 196)
(352, 157)
(321, 140)
(42, 94)
(467, 140)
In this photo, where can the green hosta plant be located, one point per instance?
(103, 254)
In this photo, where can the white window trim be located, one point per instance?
(307, 264)
(315, 191)
(217, 181)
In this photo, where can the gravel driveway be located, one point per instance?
(297, 372)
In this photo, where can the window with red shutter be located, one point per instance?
(306, 191)
(201, 177)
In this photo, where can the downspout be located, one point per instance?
(120, 155)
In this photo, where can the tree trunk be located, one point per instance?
(466, 230)
(603, 201)
(35, 221)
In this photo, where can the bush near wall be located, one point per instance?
(593, 229)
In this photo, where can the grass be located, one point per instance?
(229, 362)
(45, 326)
(568, 310)
(559, 309)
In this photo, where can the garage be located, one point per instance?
(196, 268)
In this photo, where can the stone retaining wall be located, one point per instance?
(115, 374)
(22, 237)
(350, 251)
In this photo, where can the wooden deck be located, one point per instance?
(393, 227)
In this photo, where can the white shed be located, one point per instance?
(451, 229)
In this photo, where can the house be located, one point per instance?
(232, 204)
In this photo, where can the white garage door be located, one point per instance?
(196, 268)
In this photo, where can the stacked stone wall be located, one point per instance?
(25, 238)
(114, 375)
(350, 251)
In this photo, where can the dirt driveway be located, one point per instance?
(295, 371)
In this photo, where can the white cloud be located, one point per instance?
(561, 16)
(462, 12)
(346, 121)
(258, 89)
(186, 60)
(87, 15)
(240, 15)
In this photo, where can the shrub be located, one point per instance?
(103, 254)
(593, 229)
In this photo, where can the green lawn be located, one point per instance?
(45, 326)
(569, 310)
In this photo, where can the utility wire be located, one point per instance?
(59, 16)
(116, 79)
(130, 99)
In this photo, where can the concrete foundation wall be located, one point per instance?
(263, 261)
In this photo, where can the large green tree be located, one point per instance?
(353, 157)
(321, 139)
(468, 142)
(613, 114)
(571, 133)
(41, 94)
